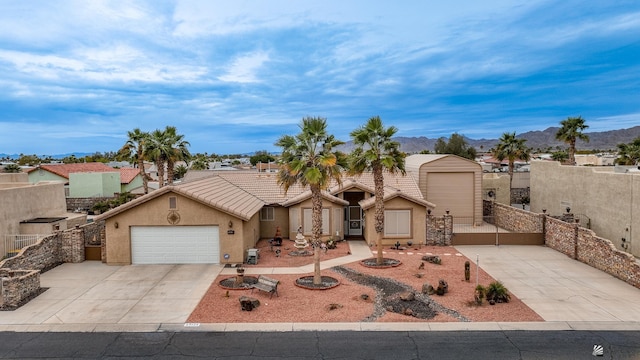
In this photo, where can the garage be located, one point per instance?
(175, 245)
(453, 192)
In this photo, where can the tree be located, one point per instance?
(179, 172)
(200, 163)
(309, 159)
(570, 131)
(511, 148)
(178, 151)
(376, 152)
(165, 148)
(12, 168)
(456, 145)
(135, 150)
(560, 156)
(261, 157)
(629, 154)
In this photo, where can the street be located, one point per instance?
(322, 345)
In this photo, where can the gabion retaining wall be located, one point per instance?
(18, 286)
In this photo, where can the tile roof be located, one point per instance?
(243, 193)
(265, 185)
(128, 174)
(65, 169)
(214, 191)
(392, 194)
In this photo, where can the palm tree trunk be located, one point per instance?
(170, 172)
(316, 226)
(160, 167)
(378, 181)
(145, 179)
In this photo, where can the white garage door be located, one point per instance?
(175, 245)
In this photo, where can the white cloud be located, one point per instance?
(244, 68)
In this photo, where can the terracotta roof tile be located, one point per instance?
(128, 174)
(65, 169)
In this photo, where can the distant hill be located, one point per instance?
(604, 140)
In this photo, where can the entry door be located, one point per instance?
(355, 220)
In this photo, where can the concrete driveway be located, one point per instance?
(556, 287)
(94, 293)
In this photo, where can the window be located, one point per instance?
(267, 214)
(397, 223)
(173, 202)
(308, 219)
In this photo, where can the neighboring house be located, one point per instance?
(85, 180)
(216, 216)
(608, 200)
(452, 183)
(31, 209)
(268, 167)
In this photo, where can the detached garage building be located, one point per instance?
(450, 183)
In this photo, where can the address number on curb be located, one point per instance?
(191, 324)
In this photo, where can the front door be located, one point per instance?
(354, 221)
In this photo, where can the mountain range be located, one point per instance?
(604, 140)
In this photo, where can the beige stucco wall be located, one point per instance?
(27, 201)
(334, 224)
(192, 213)
(418, 222)
(610, 200)
(500, 184)
(281, 218)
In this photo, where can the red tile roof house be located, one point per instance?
(216, 216)
(88, 179)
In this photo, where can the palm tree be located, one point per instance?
(570, 131)
(134, 149)
(629, 154)
(309, 159)
(158, 152)
(177, 147)
(376, 152)
(511, 148)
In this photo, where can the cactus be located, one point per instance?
(467, 270)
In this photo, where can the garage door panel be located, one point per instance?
(175, 245)
(451, 191)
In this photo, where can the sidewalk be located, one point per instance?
(94, 297)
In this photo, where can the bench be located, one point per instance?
(266, 284)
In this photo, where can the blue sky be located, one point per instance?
(233, 76)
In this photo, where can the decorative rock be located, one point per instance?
(407, 296)
(364, 297)
(428, 289)
(408, 312)
(421, 266)
(434, 259)
(248, 303)
(443, 287)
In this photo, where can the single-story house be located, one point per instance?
(216, 216)
(93, 179)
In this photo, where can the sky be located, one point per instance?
(234, 76)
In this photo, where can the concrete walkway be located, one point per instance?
(92, 296)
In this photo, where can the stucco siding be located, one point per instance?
(418, 222)
(280, 218)
(97, 184)
(155, 213)
(27, 202)
(610, 200)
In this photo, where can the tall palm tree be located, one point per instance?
(177, 150)
(134, 149)
(570, 131)
(511, 148)
(376, 152)
(309, 159)
(158, 151)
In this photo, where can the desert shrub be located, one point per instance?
(497, 292)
